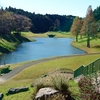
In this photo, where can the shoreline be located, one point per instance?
(71, 43)
(18, 69)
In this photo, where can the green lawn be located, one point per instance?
(8, 43)
(82, 44)
(28, 75)
(6, 46)
(58, 34)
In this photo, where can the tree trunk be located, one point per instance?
(81, 36)
(76, 38)
(88, 40)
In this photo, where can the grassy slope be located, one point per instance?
(27, 76)
(6, 46)
(8, 43)
(58, 34)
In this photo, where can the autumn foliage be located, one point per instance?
(76, 27)
(13, 22)
(86, 26)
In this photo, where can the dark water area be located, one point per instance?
(41, 48)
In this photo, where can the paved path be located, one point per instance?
(16, 70)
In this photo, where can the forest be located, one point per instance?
(43, 23)
(13, 19)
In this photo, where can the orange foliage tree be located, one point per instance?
(89, 27)
(76, 27)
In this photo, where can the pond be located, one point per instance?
(41, 48)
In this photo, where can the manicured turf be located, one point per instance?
(28, 75)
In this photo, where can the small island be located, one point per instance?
(51, 35)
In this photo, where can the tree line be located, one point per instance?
(48, 22)
(17, 20)
(88, 26)
(11, 22)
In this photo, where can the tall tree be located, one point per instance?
(89, 26)
(97, 13)
(98, 25)
(76, 27)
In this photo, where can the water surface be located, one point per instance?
(41, 48)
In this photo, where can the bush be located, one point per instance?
(4, 69)
(61, 84)
(88, 90)
(58, 83)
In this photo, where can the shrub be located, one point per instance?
(4, 69)
(58, 83)
(56, 97)
(88, 90)
(36, 89)
(61, 84)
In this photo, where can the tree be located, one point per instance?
(76, 27)
(5, 22)
(43, 23)
(20, 23)
(57, 24)
(89, 26)
(13, 22)
(97, 13)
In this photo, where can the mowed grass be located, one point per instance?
(28, 75)
(58, 34)
(82, 44)
(71, 62)
(6, 44)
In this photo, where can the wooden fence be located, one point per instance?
(89, 69)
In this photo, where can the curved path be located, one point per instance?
(13, 72)
(16, 70)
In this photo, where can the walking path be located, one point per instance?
(13, 72)
(16, 70)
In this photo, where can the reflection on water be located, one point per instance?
(41, 48)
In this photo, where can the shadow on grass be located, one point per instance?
(15, 38)
(4, 50)
(85, 40)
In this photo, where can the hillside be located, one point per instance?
(9, 42)
(43, 23)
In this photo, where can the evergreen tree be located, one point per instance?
(43, 23)
(97, 13)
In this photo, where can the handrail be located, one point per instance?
(93, 67)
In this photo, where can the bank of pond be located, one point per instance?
(41, 48)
